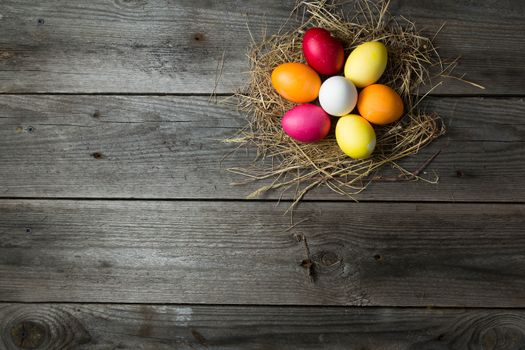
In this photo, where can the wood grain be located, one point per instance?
(163, 327)
(236, 252)
(198, 242)
(166, 46)
(170, 147)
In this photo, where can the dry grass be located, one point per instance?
(299, 167)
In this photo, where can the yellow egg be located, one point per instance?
(355, 136)
(366, 63)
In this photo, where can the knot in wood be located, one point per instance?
(198, 37)
(329, 259)
(378, 257)
(97, 155)
(28, 335)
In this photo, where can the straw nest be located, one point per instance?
(285, 164)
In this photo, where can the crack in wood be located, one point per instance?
(307, 263)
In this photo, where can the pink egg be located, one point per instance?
(322, 51)
(306, 123)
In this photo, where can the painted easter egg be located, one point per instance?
(322, 51)
(306, 123)
(338, 96)
(366, 63)
(355, 136)
(296, 82)
(380, 104)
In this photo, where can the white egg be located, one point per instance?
(338, 96)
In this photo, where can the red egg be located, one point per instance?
(322, 51)
(306, 123)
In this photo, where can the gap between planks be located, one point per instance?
(241, 200)
(229, 94)
(268, 306)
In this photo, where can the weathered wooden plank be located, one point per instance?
(95, 326)
(166, 46)
(374, 254)
(129, 46)
(170, 147)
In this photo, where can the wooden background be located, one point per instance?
(119, 228)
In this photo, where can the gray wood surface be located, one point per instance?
(130, 225)
(193, 327)
(369, 254)
(170, 147)
(167, 46)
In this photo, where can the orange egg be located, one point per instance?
(296, 82)
(379, 104)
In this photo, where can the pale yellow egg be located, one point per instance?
(366, 63)
(355, 136)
